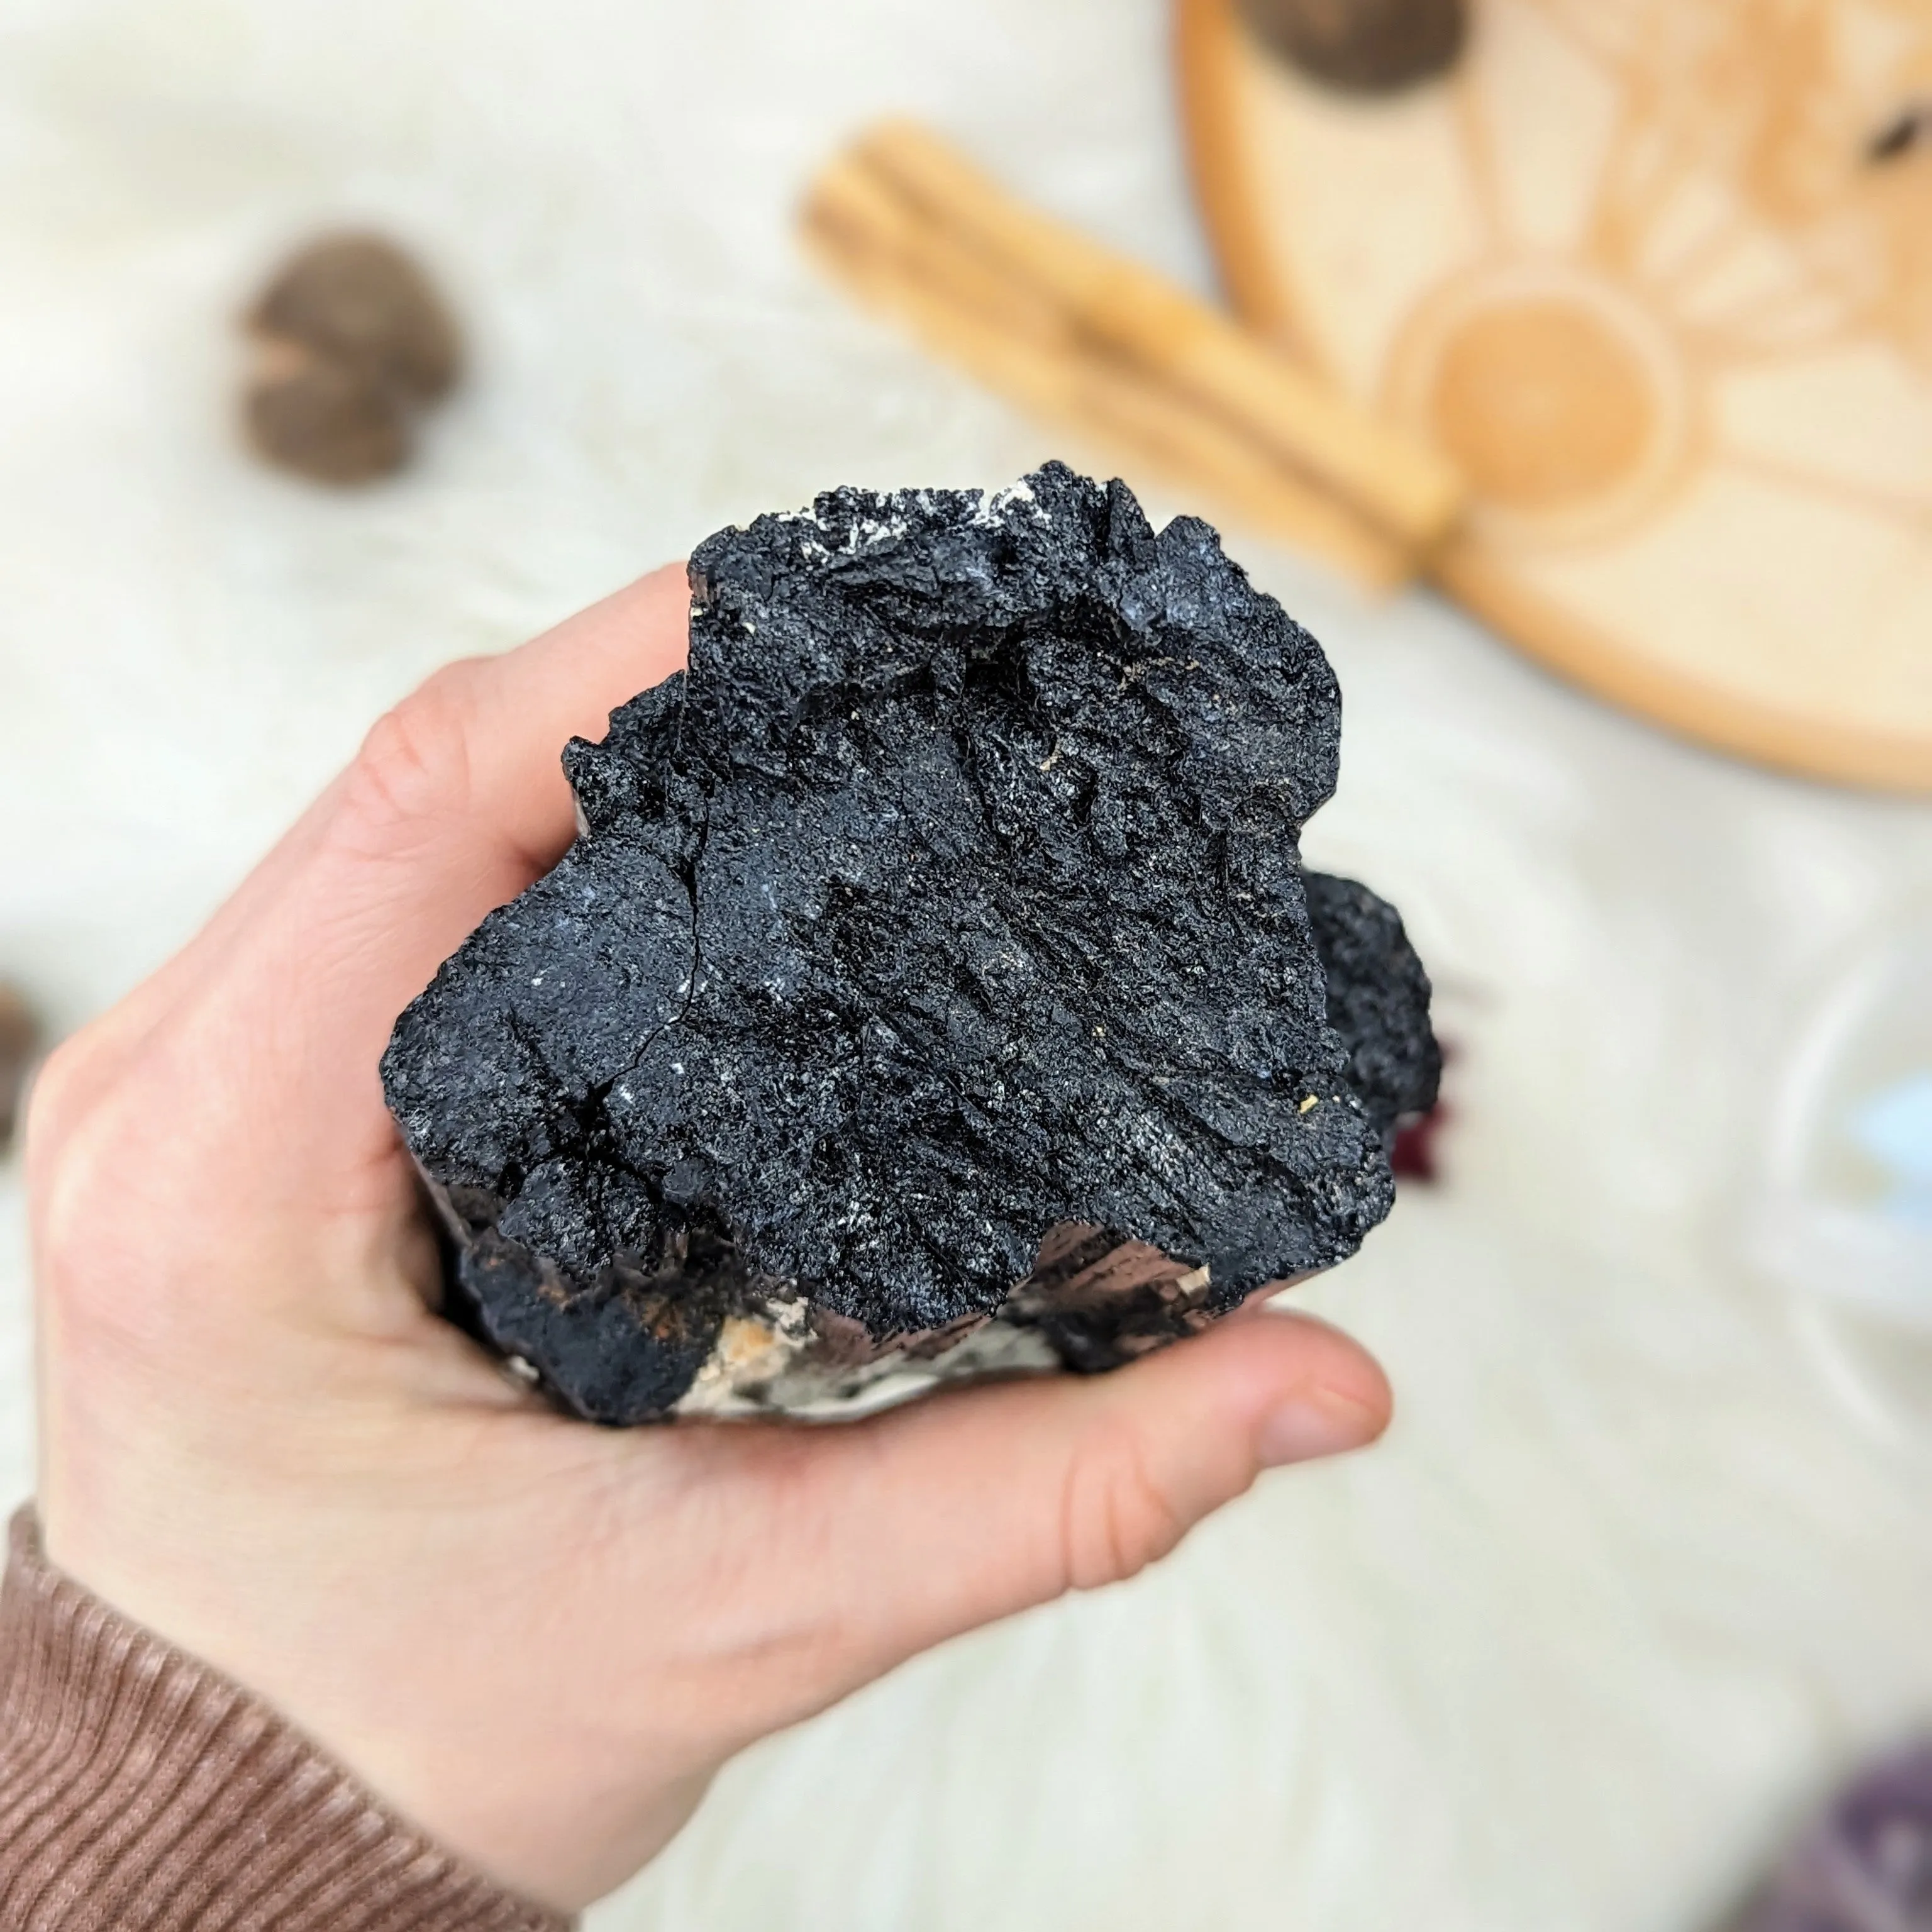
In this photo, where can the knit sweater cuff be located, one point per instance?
(141, 1791)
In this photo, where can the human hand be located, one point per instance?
(536, 1639)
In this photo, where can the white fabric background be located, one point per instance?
(1622, 1588)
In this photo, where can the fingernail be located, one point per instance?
(1318, 1421)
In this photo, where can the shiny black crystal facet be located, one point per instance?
(951, 894)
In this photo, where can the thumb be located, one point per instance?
(972, 1506)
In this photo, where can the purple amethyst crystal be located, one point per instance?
(1865, 1863)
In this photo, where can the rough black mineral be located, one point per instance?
(934, 989)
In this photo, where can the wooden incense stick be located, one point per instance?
(1392, 479)
(1016, 340)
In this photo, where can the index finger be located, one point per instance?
(456, 802)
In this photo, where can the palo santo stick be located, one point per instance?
(1392, 478)
(871, 216)
(911, 274)
(891, 260)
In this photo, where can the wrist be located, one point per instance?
(139, 1783)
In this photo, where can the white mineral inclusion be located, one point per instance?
(758, 1366)
(764, 1364)
(864, 532)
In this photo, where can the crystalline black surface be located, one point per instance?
(1376, 989)
(952, 896)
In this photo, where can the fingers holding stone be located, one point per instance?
(272, 1020)
(968, 1507)
(456, 802)
(457, 798)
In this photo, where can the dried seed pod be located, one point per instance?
(358, 301)
(19, 1042)
(1367, 47)
(353, 340)
(326, 421)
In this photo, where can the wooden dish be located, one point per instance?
(1646, 272)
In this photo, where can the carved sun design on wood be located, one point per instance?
(1657, 275)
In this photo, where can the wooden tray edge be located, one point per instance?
(1715, 719)
(1206, 49)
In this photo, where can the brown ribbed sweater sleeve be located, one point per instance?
(140, 1791)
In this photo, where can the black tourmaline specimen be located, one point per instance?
(935, 989)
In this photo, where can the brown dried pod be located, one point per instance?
(359, 301)
(1367, 47)
(326, 420)
(19, 1042)
(353, 340)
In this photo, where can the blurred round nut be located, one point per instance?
(358, 300)
(1367, 47)
(19, 1042)
(326, 420)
